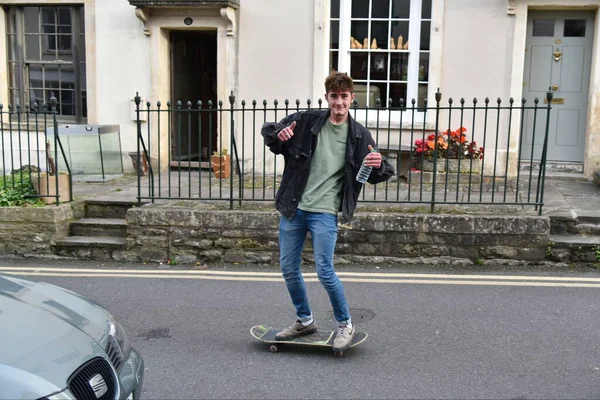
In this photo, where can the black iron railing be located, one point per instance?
(482, 153)
(31, 154)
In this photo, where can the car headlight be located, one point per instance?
(118, 344)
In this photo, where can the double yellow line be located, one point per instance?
(360, 277)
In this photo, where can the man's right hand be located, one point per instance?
(286, 133)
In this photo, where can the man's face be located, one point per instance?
(339, 102)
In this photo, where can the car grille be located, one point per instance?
(113, 350)
(80, 383)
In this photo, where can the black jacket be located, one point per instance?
(298, 151)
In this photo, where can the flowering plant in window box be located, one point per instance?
(453, 151)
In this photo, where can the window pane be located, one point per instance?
(360, 31)
(64, 29)
(358, 65)
(424, 67)
(32, 22)
(64, 46)
(36, 85)
(367, 95)
(381, 9)
(334, 12)
(426, 9)
(333, 61)
(335, 34)
(64, 16)
(360, 8)
(574, 28)
(49, 47)
(67, 77)
(379, 67)
(32, 47)
(397, 92)
(400, 8)
(422, 95)
(48, 20)
(67, 102)
(377, 94)
(379, 34)
(400, 33)
(425, 34)
(543, 27)
(398, 66)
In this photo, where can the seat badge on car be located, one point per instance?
(98, 385)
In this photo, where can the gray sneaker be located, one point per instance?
(343, 339)
(296, 330)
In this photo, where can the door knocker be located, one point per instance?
(557, 55)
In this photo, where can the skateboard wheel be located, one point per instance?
(273, 348)
(338, 354)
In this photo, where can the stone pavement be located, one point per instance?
(564, 193)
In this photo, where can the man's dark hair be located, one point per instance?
(339, 82)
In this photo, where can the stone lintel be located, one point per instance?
(235, 4)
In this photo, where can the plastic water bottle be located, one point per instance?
(364, 172)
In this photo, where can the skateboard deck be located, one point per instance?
(267, 334)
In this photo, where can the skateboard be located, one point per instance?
(267, 334)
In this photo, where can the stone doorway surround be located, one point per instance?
(162, 16)
(519, 9)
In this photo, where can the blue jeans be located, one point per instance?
(292, 234)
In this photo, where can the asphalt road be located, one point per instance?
(442, 334)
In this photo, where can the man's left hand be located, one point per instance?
(373, 159)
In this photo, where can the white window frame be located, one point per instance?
(322, 52)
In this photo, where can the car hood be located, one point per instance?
(44, 336)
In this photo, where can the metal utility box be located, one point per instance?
(92, 151)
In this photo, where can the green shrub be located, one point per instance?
(16, 189)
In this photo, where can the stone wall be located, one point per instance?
(32, 231)
(189, 235)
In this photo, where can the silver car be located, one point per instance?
(56, 344)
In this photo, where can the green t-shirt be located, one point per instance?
(324, 186)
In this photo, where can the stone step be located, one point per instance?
(108, 208)
(91, 247)
(585, 229)
(574, 248)
(112, 227)
(92, 241)
(583, 222)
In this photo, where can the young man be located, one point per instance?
(323, 151)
